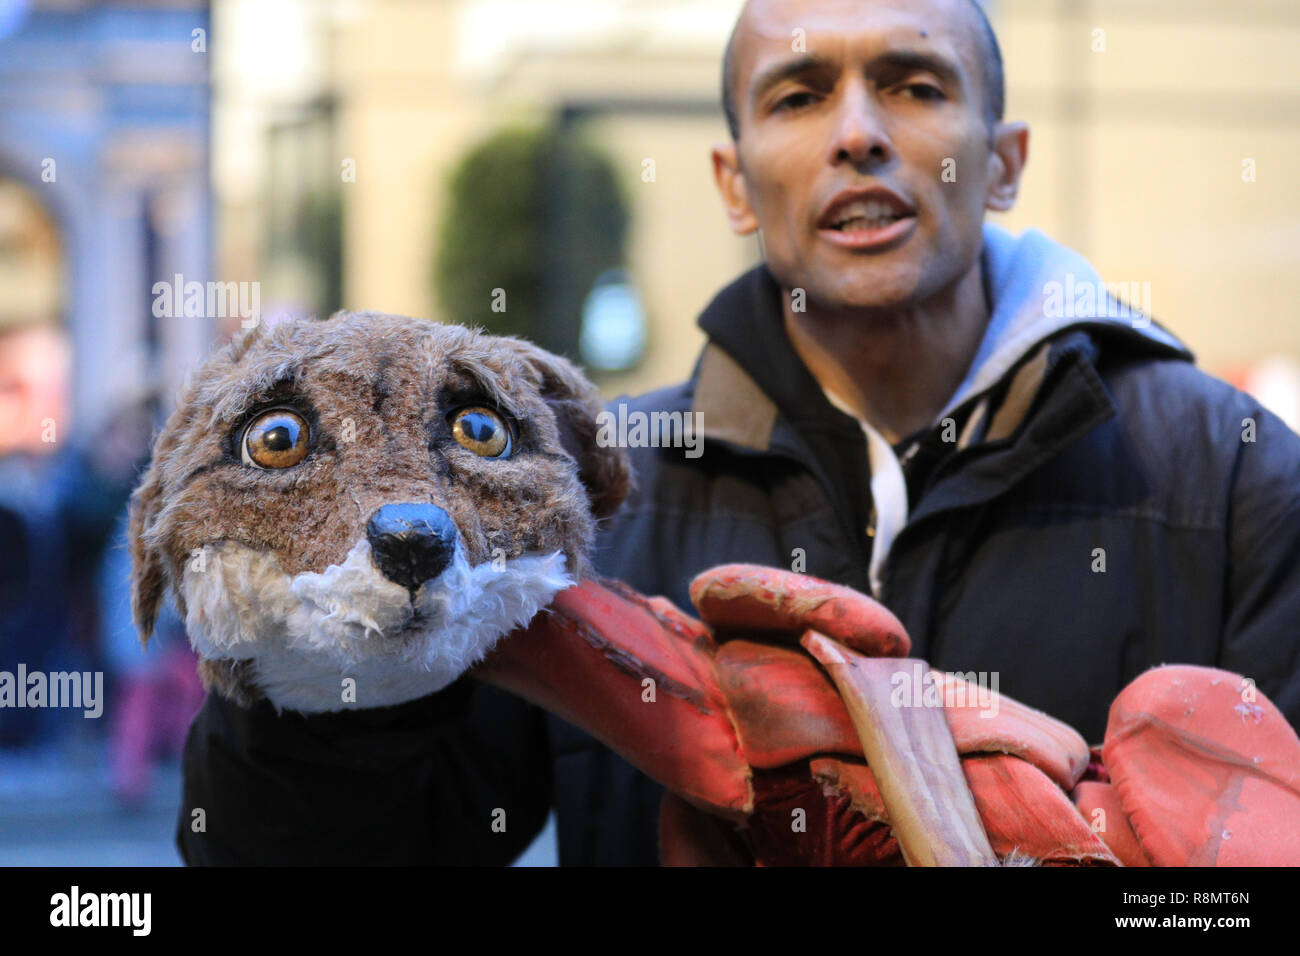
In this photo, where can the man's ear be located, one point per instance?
(1006, 164)
(731, 186)
(148, 572)
(604, 470)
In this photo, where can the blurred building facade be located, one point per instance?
(1160, 137)
(1159, 145)
(104, 130)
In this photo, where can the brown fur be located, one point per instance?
(392, 381)
(231, 679)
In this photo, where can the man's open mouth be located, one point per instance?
(864, 210)
(867, 220)
(862, 215)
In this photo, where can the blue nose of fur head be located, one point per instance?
(411, 543)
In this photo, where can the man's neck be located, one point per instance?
(895, 369)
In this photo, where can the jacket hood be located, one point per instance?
(1038, 288)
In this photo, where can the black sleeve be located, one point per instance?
(460, 777)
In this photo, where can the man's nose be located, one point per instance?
(411, 543)
(859, 136)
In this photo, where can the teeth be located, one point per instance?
(860, 223)
(866, 214)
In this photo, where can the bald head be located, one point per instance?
(989, 52)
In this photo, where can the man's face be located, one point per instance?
(851, 112)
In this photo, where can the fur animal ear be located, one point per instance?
(148, 572)
(605, 471)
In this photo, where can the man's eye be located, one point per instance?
(925, 91)
(793, 101)
(274, 439)
(482, 431)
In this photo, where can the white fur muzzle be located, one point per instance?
(308, 633)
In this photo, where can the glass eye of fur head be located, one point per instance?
(274, 439)
(482, 431)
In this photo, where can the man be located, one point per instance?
(900, 400)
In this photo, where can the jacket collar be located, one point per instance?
(749, 382)
(1037, 289)
(1059, 383)
(755, 393)
(1068, 399)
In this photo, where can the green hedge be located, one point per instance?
(539, 215)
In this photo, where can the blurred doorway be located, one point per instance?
(34, 350)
